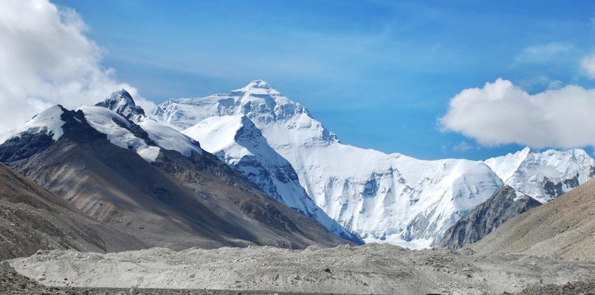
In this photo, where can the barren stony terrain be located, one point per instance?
(370, 269)
(565, 227)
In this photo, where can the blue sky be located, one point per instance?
(378, 73)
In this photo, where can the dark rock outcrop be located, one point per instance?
(503, 205)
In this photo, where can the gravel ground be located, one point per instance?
(369, 269)
(13, 283)
(583, 288)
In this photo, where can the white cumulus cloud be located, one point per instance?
(46, 59)
(502, 113)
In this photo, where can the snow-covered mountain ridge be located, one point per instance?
(544, 175)
(382, 198)
(121, 120)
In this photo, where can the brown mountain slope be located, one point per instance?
(176, 202)
(31, 219)
(564, 228)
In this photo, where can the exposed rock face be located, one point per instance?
(122, 103)
(505, 204)
(32, 219)
(564, 227)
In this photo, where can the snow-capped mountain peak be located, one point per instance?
(258, 101)
(122, 103)
(121, 131)
(161, 135)
(258, 87)
(49, 122)
(544, 175)
(118, 117)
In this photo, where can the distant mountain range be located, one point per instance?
(254, 167)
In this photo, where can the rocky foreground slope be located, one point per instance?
(32, 218)
(564, 228)
(369, 269)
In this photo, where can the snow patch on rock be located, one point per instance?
(48, 121)
(117, 129)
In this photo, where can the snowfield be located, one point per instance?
(117, 129)
(237, 142)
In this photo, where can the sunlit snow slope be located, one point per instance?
(236, 141)
(545, 175)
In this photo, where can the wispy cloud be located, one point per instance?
(545, 53)
(463, 146)
(541, 82)
(588, 65)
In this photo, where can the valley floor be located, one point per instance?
(369, 269)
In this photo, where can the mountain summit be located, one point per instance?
(122, 103)
(258, 101)
(258, 84)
